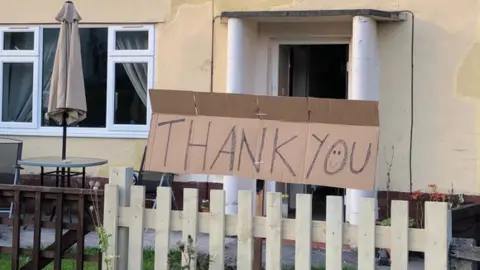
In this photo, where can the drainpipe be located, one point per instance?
(365, 86)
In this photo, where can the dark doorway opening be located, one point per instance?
(314, 71)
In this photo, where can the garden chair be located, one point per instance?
(10, 154)
(151, 180)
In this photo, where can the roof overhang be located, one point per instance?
(315, 15)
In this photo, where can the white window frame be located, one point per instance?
(21, 125)
(112, 31)
(111, 93)
(114, 56)
(20, 29)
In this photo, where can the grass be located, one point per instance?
(6, 263)
(148, 261)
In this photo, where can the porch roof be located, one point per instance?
(315, 15)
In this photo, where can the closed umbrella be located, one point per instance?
(67, 103)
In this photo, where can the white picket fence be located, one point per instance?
(127, 245)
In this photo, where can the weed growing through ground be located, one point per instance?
(103, 236)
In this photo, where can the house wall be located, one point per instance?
(445, 98)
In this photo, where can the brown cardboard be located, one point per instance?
(293, 140)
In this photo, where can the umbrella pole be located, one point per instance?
(64, 136)
(64, 146)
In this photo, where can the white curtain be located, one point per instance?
(50, 39)
(17, 92)
(137, 72)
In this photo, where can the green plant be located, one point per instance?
(189, 254)
(419, 199)
(103, 235)
(70, 264)
(205, 203)
(433, 195)
(388, 222)
(453, 199)
(285, 198)
(389, 179)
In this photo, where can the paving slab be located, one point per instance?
(288, 256)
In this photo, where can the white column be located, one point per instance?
(237, 82)
(365, 85)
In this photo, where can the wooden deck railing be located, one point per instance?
(31, 206)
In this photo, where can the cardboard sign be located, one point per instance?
(328, 142)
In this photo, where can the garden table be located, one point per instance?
(61, 166)
(63, 171)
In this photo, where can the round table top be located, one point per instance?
(69, 162)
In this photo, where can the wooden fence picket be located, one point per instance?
(366, 234)
(163, 216)
(135, 240)
(245, 230)
(274, 231)
(434, 239)
(437, 235)
(334, 237)
(190, 225)
(110, 223)
(122, 177)
(303, 232)
(399, 235)
(217, 229)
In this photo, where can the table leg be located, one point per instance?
(53, 212)
(41, 176)
(83, 177)
(68, 178)
(56, 177)
(69, 185)
(59, 182)
(62, 182)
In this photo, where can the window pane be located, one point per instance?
(18, 41)
(131, 40)
(94, 61)
(131, 93)
(17, 92)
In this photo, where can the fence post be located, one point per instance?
(438, 233)
(190, 226)
(163, 215)
(110, 224)
(399, 235)
(244, 228)
(334, 234)
(123, 178)
(303, 232)
(366, 234)
(273, 260)
(217, 229)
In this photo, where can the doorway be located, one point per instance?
(319, 71)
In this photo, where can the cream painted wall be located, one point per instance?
(446, 95)
(92, 11)
(119, 152)
(445, 137)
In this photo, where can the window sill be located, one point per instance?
(75, 133)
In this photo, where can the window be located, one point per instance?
(18, 78)
(118, 71)
(94, 61)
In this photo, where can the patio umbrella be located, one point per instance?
(67, 103)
